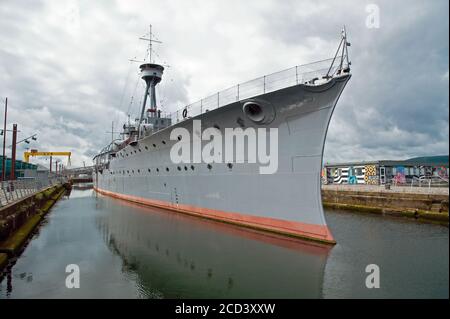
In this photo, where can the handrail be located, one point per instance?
(11, 191)
(300, 74)
(307, 74)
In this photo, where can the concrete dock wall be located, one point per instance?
(431, 207)
(19, 219)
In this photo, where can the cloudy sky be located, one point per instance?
(64, 66)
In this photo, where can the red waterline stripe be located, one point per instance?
(290, 228)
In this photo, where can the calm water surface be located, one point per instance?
(129, 251)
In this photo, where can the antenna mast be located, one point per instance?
(150, 43)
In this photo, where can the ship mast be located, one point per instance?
(151, 73)
(343, 47)
(150, 43)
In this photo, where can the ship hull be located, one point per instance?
(287, 202)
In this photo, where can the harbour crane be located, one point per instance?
(26, 155)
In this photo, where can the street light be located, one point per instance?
(27, 139)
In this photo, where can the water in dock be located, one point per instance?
(129, 251)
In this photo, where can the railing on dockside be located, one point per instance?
(12, 191)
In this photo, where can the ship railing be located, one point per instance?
(301, 74)
(12, 191)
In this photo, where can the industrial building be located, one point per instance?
(378, 172)
(21, 168)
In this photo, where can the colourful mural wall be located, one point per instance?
(348, 175)
(370, 175)
(324, 176)
(400, 176)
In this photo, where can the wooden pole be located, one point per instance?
(4, 142)
(13, 153)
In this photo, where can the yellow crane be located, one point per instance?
(26, 155)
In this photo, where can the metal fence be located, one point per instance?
(307, 73)
(12, 191)
(430, 181)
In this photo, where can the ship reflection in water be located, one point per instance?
(125, 250)
(182, 256)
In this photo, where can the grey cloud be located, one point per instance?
(64, 66)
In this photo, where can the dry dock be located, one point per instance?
(19, 218)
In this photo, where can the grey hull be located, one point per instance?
(288, 201)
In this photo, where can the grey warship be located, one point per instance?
(298, 102)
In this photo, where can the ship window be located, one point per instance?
(157, 169)
(128, 171)
(164, 142)
(146, 147)
(185, 168)
(132, 171)
(209, 166)
(230, 166)
(179, 168)
(192, 167)
(140, 150)
(167, 169)
(139, 170)
(154, 145)
(179, 137)
(149, 170)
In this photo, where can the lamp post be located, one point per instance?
(14, 148)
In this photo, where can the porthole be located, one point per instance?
(154, 145)
(179, 137)
(139, 170)
(140, 150)
(149, 170)
(146, 147)
(164, 142)
(192, 167)
(209, 166)
(185, 168)
(230, 166)
(167, 169)
(179, 168)
(157, 169)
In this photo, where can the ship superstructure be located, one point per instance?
(297, 103)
